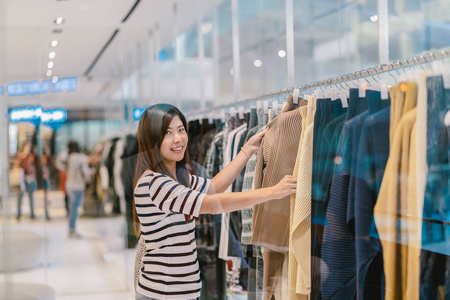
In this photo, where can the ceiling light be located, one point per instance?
(50, 64)
(48, 73)
(281, 53)
(52, 55)
(55, 79)
(374, 18)
(54, 43)
(206, 28)
(59, 20)
(257, 63)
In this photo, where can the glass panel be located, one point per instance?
(262, 33)
(333, 38)
(417, 26)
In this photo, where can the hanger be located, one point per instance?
(388, 70)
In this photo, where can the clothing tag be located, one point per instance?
(275, 107)
(446, 79)
(343, 96)
(384, 90)
(438, 67)
(333, 95)
(295, 95)
(266, 106)
(318, 93)
(363, 86)
(232, 112)
(258, 105)
(210, 118)
(241, 112)
(447, 119)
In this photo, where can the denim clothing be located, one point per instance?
(75, 199)
(436, 207)
(30, 187)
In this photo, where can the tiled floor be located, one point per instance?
(96, 266)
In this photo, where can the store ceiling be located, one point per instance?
(87, 27)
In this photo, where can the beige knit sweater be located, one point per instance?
(270, 223)
(300, 235)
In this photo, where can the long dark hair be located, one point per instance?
(152, 128)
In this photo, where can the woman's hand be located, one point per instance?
(254, 142)
(287, 186)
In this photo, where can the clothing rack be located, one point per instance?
(426, 58)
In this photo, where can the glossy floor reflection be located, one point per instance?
(95, 266)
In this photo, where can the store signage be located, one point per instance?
(36, 114)
(137, 113)
(38, 87)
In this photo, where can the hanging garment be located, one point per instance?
(435, 259)
(338, 265)
(117, 169)
(292, 262)
(319, 201)
(227, 158)
(235, 229)
(300, 235)
(372, 156)
(398, 98)
(252, 128)
(104, 176)
(421, 147)
(270, 222)
(129, 157)
(394, 201)
(214, 157)
(247, 184)
(254, 256)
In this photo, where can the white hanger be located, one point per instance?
(295, 95)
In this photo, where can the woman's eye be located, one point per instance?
(182, 129)
(167, 132)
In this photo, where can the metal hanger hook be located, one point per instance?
(389, 72)
(373, 77)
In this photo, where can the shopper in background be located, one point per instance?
(168, 196)
(78, 174)
(47, 163)
(61, 165)
(25, 161)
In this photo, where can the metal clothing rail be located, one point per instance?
(426, 58)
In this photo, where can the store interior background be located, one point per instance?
(130, 54)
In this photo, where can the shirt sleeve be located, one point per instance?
(170, 196)
(199, 184)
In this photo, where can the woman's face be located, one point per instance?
(175, 142)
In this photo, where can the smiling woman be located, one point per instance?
(168, 196)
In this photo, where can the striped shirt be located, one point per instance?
(171, 269)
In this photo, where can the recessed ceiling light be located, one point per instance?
(257, 63)
(281, 53)
(55, 79)
(374, 18)
(207, 28)
(50, 64)
(48, 73)
(52, 55)
(54, 43)
(59, 20)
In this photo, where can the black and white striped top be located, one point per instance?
(171, 269)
